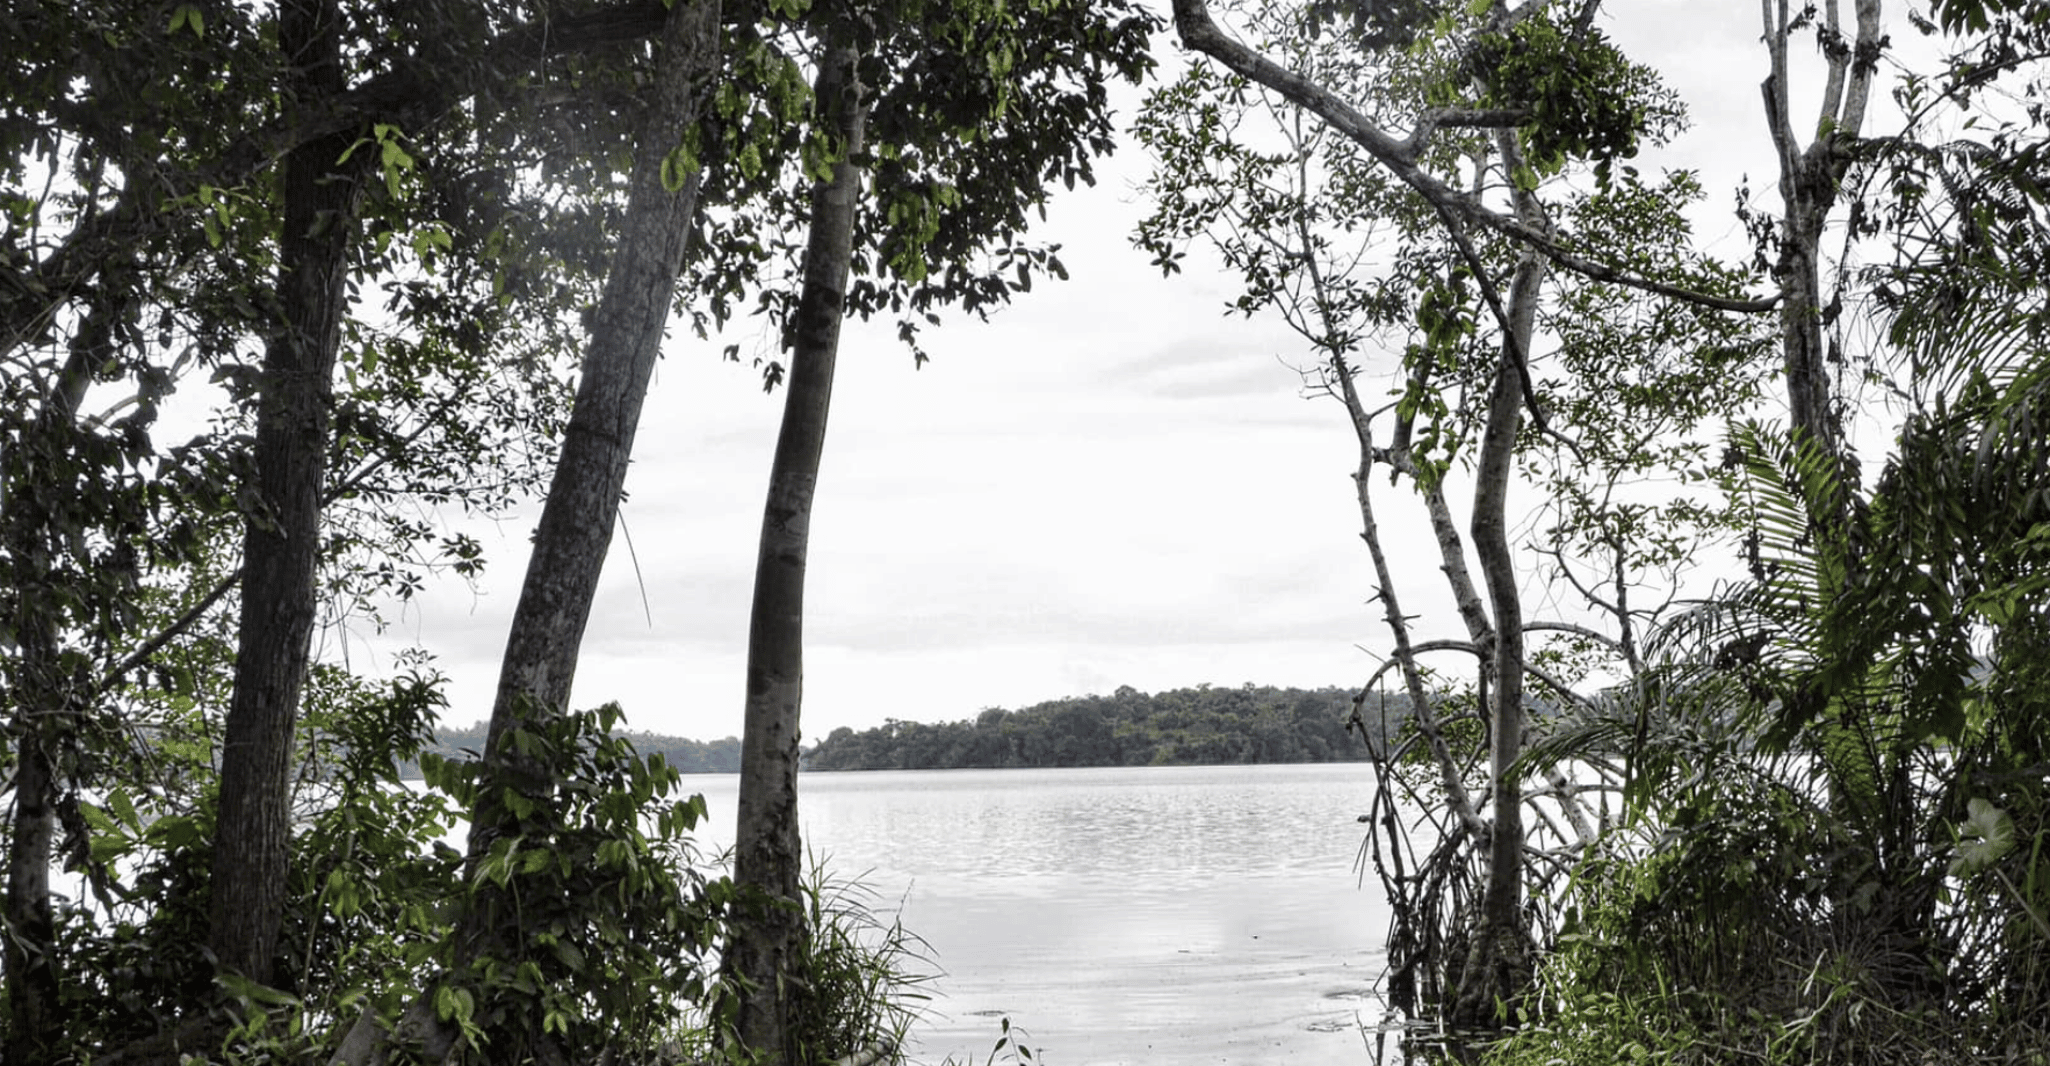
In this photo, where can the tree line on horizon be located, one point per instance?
(1204, 725)
(1200, 726)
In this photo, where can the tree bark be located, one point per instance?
(1498, 962)
(1200, 33)
(767, 947)
(281, 540)
(1809, 183)
(45, 714)
(1498, 965)
(575, 530)
(32, 980)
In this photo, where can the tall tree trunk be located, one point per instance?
(1809, 183)
(44, 696)
(575, 530)
(1498, 966)
(281, 540)
(32, 980)
(767, 946)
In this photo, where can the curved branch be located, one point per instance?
(1573, 579)
(1512, 343)
(1200, 33)
(1576, 630)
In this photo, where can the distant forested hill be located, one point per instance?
(1188, 726)
(1205, 725)
(689, 756)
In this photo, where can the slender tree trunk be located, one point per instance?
(281, 542)
(767, 947)
(1499, 964)
(45, 713)
(575, 530)
(32, 980)
(1809, 183)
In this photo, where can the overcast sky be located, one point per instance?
(1111, 483)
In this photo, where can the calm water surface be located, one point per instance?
(1168, 915)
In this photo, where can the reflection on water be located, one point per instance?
(1164, 915)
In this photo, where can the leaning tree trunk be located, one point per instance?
(281, 541)
(575, 530)
(767, 947)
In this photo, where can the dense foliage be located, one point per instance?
(1791, 818)
(362, 251)
(1190, 726)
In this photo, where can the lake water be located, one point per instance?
(1166, 915)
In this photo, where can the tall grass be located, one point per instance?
(867, 973)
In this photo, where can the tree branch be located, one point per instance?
(422, 92)
(1199, 33)
(1437, 118)
(1512, 345)
(1456, 795)
(1574, 629)
(1779, 123)
(168, 634)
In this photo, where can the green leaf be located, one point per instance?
(98, 818)
(343, 894)
(1985, 837)
(188, 16)
(174, 832)
(678, 167)
(454, 1004)
(123, 807)
(249, 991)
